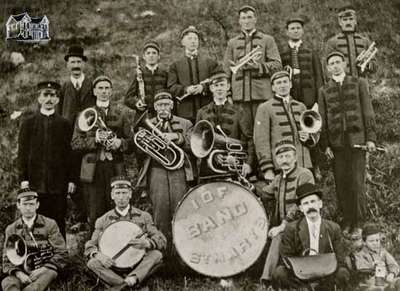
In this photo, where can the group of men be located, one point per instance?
(65, 148)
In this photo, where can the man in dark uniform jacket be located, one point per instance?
(76, 95)
(37, 231)
(103, 149)
(349, 42)
(154, 79)
(189, 76)
(45, 161)
(347, 119)
(314, 234)
(231, 119)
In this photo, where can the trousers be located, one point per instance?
(54, 206)
(12, 283)
(151, 260)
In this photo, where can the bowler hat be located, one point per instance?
(307, 189)
(75, 51)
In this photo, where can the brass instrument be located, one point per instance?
(139, 79)
(366, 56)
(365, 148)
(88, 119)
(225, 154)
(311, 123)
(204, 82)
(152, 143)
(29, 257)
(252, 56)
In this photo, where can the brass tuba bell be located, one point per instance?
(16, 249)
(311, 120)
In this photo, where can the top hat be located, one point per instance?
(75, 51)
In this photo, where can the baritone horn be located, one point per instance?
(311, 123)
(252, 56)
(150, 141)
(366, 56)
(225, 154)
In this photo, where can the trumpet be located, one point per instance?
(88, 119)
(252, 56)
(366, 56)
(139, 79)
(30, 258)
(168, 154)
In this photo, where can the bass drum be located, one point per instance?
(220, 229)
(114, 243)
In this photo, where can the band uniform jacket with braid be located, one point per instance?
(282, 191)
(305, 85)
(275, 122)
(73, 101)
(252, 84)
(346, 109)
(153, 82)
(46, 234)
(233, 122)
(185, 72)
(44, 153)
(351, 45)
(135, 215)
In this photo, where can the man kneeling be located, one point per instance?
(152, 241)
(314, 234)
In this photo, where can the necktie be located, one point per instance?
(77, 86)
(314, 230)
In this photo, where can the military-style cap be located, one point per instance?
(279, 74)
(162, 95)
(188, 30)
(218, 74)
(335, 53)
(295, 18)
(346, 10)
(370, 229)
(120, 182)
(284, 146)
(307, 189)
(26, 194)
(48, 85)
(153, 44)
(100, 79)
(75, 51)
(245, 8)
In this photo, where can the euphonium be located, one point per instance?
(89, 119)
(225, 154)
(30, 258)
(311, 122)
(152, 143)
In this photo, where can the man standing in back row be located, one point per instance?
(251, 84)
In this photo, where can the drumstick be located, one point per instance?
(127, 246)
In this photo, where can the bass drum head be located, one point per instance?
(116, 237)
(220, 229)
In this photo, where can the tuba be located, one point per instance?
(30, 258)
(225, 154)
(88, 119)
(311, 122)
(151, 142)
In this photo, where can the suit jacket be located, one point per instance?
(185, 72)
(73, 101)
(44, 153)
(295, 239)
(46, 233)
(252, 84)
(140, 218)
(305, 85)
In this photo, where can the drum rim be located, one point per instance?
(229, 182)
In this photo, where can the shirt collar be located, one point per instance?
(29, 222)
(191, 54)
(79, 80)
(152, 68)
(220, 103)
(284, 99)
(317, 223)
(339, 78)
(295, 44)
(102, 104)
(248, 34)
(123, 212)
(47, 112)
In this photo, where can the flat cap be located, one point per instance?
(279, 74)
(245, 8)
(295, 18)
(101, 79)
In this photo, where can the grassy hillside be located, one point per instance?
(112, 30)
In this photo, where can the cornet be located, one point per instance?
(252, 56)
(366, 56)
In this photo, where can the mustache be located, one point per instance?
(76, 69)
(311, 210)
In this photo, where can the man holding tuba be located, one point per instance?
(229, 122)
(167, 182)
(279, 119)
(102, 133)
(149, 239)
(32, 233)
